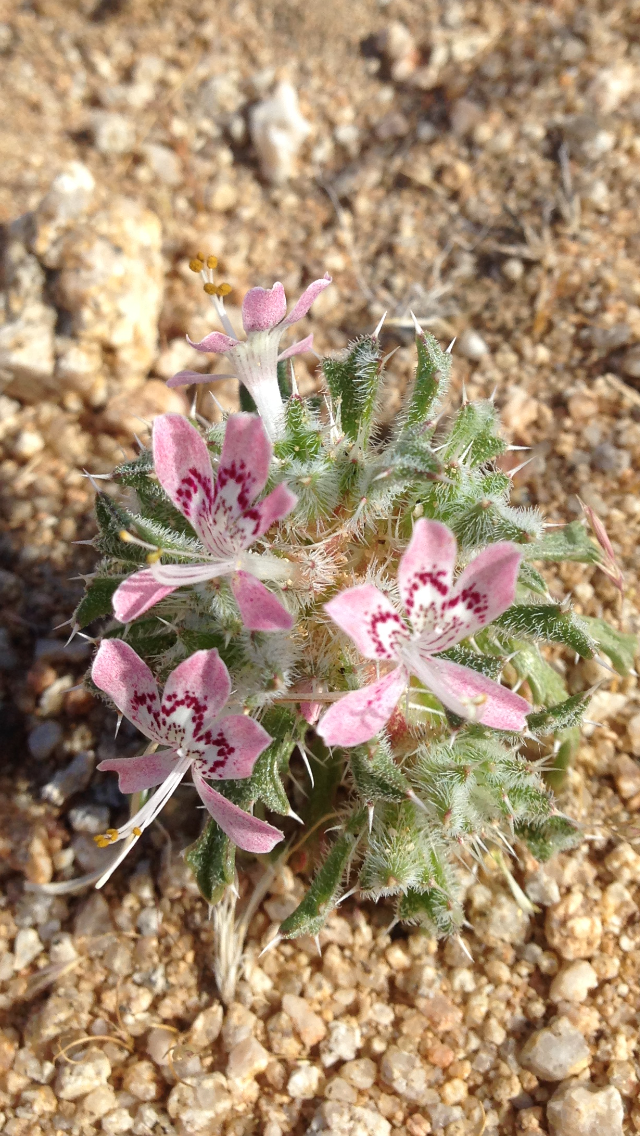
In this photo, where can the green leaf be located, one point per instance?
(246, 402)
(557, 834)
(550, 623)
(571, 542)
(547, 686)
(474, 437)
(302, 439)
(411, 455)
(284, 378)
(311, 913)
(530, 579)
(273, 763)
(562, 716)
(617, 645)
(212, 861)
(111, 522)
(431, 380)
(353, 382)
(433, 909)
(489, 665)
(148, 636)
(556, 774)
(96, 601)
(376, 775)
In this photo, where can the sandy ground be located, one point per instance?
(478, 163)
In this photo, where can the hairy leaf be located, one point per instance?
(620, 647)
(311, 913)
(212, 861)
(353, 382)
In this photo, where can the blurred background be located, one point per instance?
(476, 162)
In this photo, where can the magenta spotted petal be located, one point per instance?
(129, 683)
(246, 831)
(222, 510)
(441, 614)
(368, 617)
(188, 720)
(231, 748)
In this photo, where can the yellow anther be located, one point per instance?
(211, 289)
(125, 536)
(137, 831)
(196, 265)
(102, 841)
(112, 833)
(224, 289)
(154, 557)
(212, 262)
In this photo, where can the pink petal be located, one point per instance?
(471, 695)
(425, 572)
(216, 343)
(308, 296)
(264, 308)
(128, 681)
(232, 747)
(183, 467)
(181, 575)
(485, 589)
(260, 610)
(186, 378)
(370, 620)
(137, 594)
(244, 467)
(138, 773)
(361, 714)
(246, 831)
(299, 348)
(259, 518)
(194, 695)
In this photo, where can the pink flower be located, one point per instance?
(255, 359)
(223, 514)
(441, 613)
(187, 718)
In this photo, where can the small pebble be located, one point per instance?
(89, 818)
(26, 947)
(556, 1052)
(574, 982)
(42, 742)
(472, 345)
(247, 1059)
(92, 1068)
(309, 1025)
(73, 779)
(303, 1082)
(579, 1109)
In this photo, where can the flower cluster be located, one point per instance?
(373, 614)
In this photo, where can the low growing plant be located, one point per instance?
(378, 615)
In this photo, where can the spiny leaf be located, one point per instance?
(376, 775)
(111, 522)
(310, 915)
(620, 647)
(543, 840)
(551, 623)
(353, 382)
(571, 542)
(212, 861)
(489, 665)
(97, 600)
(302, 439)
(148, 636)
(431, 380)
(433, 909)
(473, 438)
(561, 716)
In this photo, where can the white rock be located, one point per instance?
(163, 162)
(72, 779)
(472, 345)
(604, 704)
(541, 888)
(574, 982)
(303, 1082)
(93, 1068)
(579, 1109)
(247, 1059)
(113, 133)
(26, 947)
(556, 1052)
(342, 1044)
(348, 1120)
(406, 1075)
(118, 1121)
(278, 130)
(309, 1025)
(239, 1024)
(89, 818)
(67, 200)
(612, 85)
